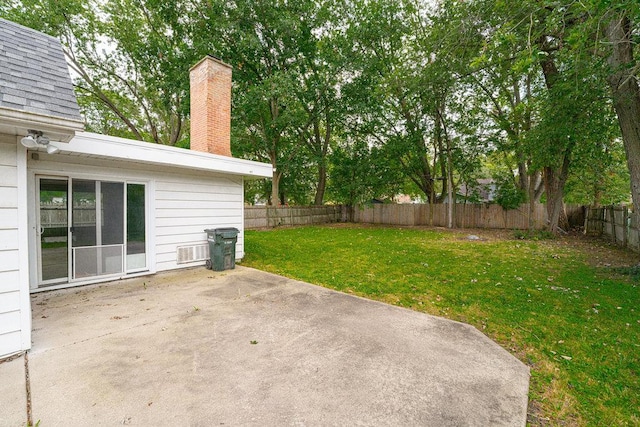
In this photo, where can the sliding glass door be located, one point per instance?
(102, 229)
(52, 230)
(136, 225)
(97, 231)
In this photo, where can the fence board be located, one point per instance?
(617, 223)
(465, 215)
(633, 239)
(269, 216)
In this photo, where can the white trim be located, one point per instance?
(35, 263)
(32, 217)
(38, 238)
(69, 175)
(69, 233)
(23, 247)
(125, 220)
(97, 185)
(151, 226)
(147, 215)
(56, 128)
(99, 262)
(240, 256)
(102, 279)
(111, 147)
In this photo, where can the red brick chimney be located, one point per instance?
(211, 106)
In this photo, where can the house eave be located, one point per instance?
(19, 122)
(122, 149)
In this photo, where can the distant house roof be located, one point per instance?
(482, 190)
(34, 77)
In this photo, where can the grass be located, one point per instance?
(576, 325)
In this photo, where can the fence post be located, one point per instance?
(602, 221)
(612, 216)
(587, 212)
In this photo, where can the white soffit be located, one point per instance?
(111, 147)
(15, 122)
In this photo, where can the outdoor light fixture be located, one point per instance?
(36, 139)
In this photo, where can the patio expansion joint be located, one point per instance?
(27, 381)
(27, 384)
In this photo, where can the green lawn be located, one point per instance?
(576, 325)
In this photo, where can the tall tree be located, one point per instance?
(130, 62)
(322, 71)
(621, 31)
(285, 81)
(564, 91)
(406, 89)
(361, 172)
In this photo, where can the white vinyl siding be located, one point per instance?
(8, 218)
(187, 205)
(8, 239)
(10, 323)
(181, 203)
(9, 261)
(8, 280)
(10, 289)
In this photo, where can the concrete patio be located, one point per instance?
(244, 347)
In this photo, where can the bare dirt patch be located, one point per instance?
(599, 252)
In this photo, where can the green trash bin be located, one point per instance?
(222, 248)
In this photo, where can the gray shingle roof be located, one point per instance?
(33, 73)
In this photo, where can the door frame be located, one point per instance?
(98, 210)
(36, 284)
(38, 227)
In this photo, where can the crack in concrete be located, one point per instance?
(28, 389)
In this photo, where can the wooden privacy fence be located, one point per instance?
(57, 216)
(271, 216)
(618, 223)
(465, 215)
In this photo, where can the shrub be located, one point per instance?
(508, 195)
(533, 235)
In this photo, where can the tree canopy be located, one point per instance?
(361, 99)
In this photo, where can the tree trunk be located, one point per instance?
(319, 143)
(626, 97)
(534, 192)
(421, 178)
(451, 197)
(523, 176)
(450, 193)
(554, 180)
(597, 196)
(275, 187)
(442, 162)
(273, 151)
(322, 184)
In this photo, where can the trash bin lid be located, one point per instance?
(227, 232)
